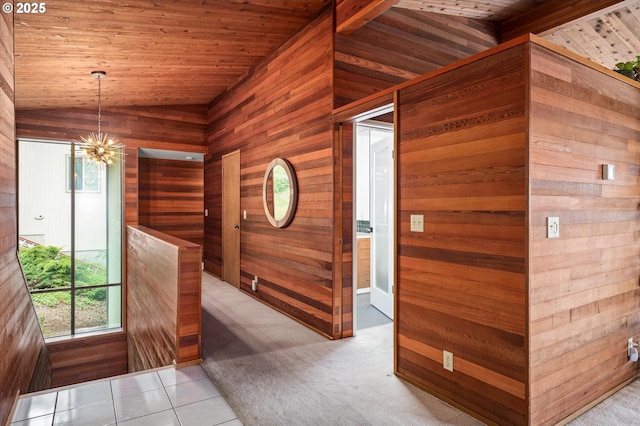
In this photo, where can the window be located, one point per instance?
(87, 175)
(70, 228)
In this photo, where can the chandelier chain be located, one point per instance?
(99, 106)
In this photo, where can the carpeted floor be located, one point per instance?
(274, 371)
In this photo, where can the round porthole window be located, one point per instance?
(279, 193)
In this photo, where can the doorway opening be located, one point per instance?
(374, 221)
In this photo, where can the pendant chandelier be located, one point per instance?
(98, 147)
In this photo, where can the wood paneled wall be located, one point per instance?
(461, 283)
(583, 288)
(82, 359)
(402, 44)
(171, 197)
(179, 128)
(282, 109)
(23, 359)
(164, 277)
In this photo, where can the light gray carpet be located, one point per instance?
(621, 409)
(274, 371)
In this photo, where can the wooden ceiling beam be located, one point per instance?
(556, 14)
(353, 14)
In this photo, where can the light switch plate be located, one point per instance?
(553, 227)
(417, 223)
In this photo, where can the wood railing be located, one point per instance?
(164, 276)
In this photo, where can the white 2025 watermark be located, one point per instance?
(24, 7)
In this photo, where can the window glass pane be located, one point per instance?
(92, 309)
(91, 230)
(54, 312)
(49, 248)
(90, 175)
(79, 174)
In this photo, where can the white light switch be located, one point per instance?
(245, 214)
(417, 223)
(553, 227)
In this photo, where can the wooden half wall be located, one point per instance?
(24, 360)
(164, 277)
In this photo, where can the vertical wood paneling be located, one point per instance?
(163, 299)
(283, 109)
(343, 252)
(88, 358)
(24, 362)
(583, 286)
(171, 197)
(402, 44)
(213, 219)
(461, 283)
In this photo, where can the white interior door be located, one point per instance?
(382, 237)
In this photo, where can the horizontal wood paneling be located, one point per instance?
(583, 286)
(402, 44)
(282, 109)
(179, 128)
(24, 362)
(163, 299)
(82, 359)
(461, 283)
(171, 197)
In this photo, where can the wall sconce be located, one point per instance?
(608, 171)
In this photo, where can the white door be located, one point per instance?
(382, 237)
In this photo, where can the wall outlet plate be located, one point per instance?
(417, 223)
(553, 227)
(447, 360)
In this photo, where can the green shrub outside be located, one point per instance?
(45, 267)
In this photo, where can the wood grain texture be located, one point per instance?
(163, 299)
(171, 197)
(353, 14)
(550, 15)
(402, 44)
(155, 53)
(24, 362)
(583, 286)
(282, 109)
(364, 262)
(461, 283)
(82, 359)
(177, 128)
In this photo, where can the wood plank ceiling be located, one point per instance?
(182, 52)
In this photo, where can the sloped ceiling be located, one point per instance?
(184, 52)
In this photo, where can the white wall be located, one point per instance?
(44, 204)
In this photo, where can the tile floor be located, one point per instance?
(167, 396)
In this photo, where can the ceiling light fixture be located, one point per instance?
(98, 147)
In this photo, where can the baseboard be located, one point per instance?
(595, 402)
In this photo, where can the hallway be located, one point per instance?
(265, 369)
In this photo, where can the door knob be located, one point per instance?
(237, 226)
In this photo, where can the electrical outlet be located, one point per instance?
(447, 360)
(417, 223)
